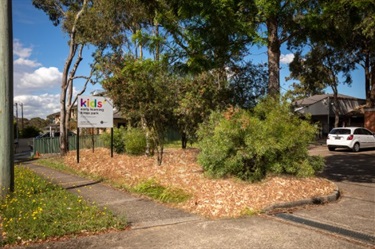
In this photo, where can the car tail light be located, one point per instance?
(350, 137)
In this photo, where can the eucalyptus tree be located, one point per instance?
(309, 81)
(323, 66)
(347, 26)
(354, 23)
(218, 33)
(102, 23)
(279, 22)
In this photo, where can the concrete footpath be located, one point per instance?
(154, 225)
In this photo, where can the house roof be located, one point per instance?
(316, 98)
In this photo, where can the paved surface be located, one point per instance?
(346, 223)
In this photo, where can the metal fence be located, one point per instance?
(50, 145)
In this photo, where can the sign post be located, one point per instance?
(94, 112)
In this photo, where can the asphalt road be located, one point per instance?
(353, 215)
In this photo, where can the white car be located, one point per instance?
(354, 138)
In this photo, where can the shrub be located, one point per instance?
(135, 141)
(118, 139)
(249, 145)
(30, 131)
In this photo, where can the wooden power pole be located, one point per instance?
(6, 99)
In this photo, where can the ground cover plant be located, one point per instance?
(38, 210)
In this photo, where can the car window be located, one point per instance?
(358, 132)
(366, 132)
(340, 131)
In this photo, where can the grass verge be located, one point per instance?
(148, 188)
(158, 192)
(38, 210)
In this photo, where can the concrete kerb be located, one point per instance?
(334, 196)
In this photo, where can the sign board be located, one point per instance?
(94, 112)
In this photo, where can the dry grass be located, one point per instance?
(212, 198)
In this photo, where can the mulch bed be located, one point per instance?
(213, 198)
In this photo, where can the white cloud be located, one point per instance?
(286, 58)
(35, 86)
(21, 51)
(41, 78)
(38, 105)
(26, 62)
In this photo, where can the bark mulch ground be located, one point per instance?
(213, 198)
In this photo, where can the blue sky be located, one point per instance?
(40, 50)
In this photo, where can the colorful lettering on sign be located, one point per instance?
(91, 103)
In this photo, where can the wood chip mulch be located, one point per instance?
(213, 198)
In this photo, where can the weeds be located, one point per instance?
(38, 210)
(158, 192)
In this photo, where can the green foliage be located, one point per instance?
(30, 131)
(135, 141)
(39, 210)
(118, 139)
(249, 145)
(156, 191)
(143, 89)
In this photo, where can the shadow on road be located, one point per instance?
(349, 166)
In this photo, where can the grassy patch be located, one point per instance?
(158, 192)
(39, 210)
(58, 164)
(249, 212)
(55, 163)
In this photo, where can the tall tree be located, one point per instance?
(325, 65)
(309, 80)
(101, 23)
(215, 33)
(348, 26)
(279, 22)
(70, 13)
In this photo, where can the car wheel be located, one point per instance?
(356, 147)
(331, 148)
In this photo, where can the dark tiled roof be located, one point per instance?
(316, 98)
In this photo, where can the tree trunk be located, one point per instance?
(63, 137)
(336, 105)
(273, 52)
(371, 101)
(367, 80)
(157, 46)
(183, 140)
(147, 134)
(66, 84)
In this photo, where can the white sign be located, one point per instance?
(94, 112)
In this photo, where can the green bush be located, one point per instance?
(118, 139)
(135, 141)
(250, 145)
(30, 131)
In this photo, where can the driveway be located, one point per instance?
(352, 217)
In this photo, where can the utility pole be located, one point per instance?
(17, 129)
(6, 99)
(21, 104)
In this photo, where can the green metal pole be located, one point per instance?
(6, 99)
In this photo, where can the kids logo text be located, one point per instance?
(91, 103)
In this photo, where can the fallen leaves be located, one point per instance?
(213, 198)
